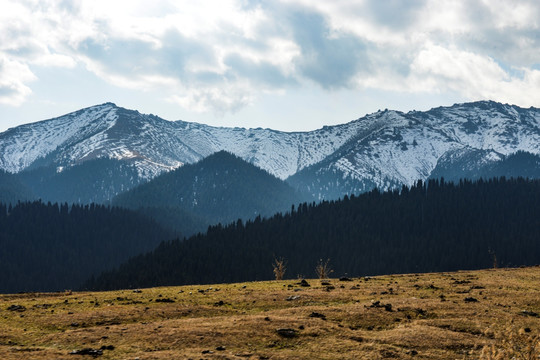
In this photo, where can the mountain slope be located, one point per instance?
(22, 146)
(93, 181)
(474, 164)
(219, 188)
(12, 189)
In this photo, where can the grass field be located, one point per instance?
(487, 314)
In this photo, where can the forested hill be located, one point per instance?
(46, 247)
(434, 226)
(218, 189)
(92, 181)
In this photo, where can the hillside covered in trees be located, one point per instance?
(220, 188)
(472, 165)
(12, 189)
(48, 247)
(93, 181)
(433, 226)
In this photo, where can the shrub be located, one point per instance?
(323, 269)
(280, 266)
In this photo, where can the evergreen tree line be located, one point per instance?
(48, 247)
(431, 226)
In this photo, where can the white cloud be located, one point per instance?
(221, 55)
(217, 100)
(445, 68)
(13, 79)
(55, 60)
(476, 76)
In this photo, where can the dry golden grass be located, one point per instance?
(414, 316)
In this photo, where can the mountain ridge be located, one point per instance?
(384, 149)
(182, 142)
(408, 146)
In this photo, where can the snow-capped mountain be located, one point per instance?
(384, 149)
(395, 148)
(155, 145)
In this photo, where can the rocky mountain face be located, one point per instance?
(383, 149)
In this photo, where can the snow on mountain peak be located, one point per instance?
(393, 148)
(23, 145)
(386, 147)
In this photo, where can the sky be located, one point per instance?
(291, 65)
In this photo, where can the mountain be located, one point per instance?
(385, 149)
(396, 148)
(220, 188)
(429, 227)
(12, 189)
(155, 145)
(51, 247)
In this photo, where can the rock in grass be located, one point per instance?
(87, 351)
(18, 308)
(317, 315)
(287, 332)
(470, 299)
(165, 300)
(529, 313)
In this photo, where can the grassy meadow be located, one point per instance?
(486, 314)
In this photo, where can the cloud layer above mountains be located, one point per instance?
(221, 56)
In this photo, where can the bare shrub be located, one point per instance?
(323, 270)
(280, 266)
